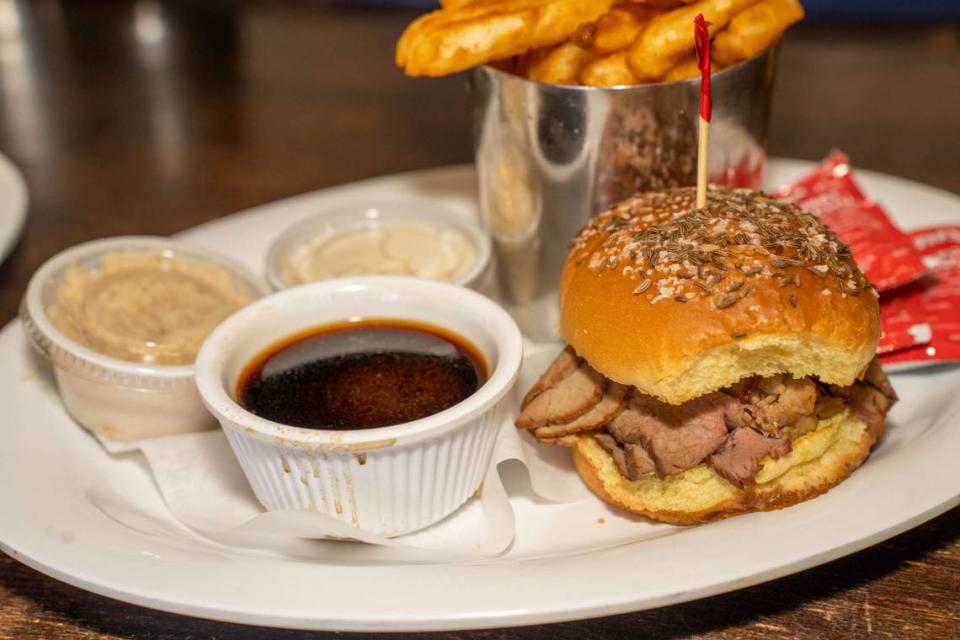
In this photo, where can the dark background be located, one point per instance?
(154, 116)
(859, 10)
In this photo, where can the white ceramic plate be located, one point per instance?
(72, 511)
(13, 205)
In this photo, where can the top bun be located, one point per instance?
(679, 302)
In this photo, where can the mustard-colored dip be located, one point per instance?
(151, 307)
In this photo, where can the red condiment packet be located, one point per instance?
(933, 301)
(746, 173)
(903, 321)
(885, 254)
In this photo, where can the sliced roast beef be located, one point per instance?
(877, 378)
(603, 412)
(639, 462)
(733, 430)
(632, 460)
(563, 441)
(873, 399)
(570, 398)
(869, 398)
(562, 366)
(677, 437)
(615, 449)
(829, 406)
(871, 405)
(735, 414)
(782, 405)
(738, 460)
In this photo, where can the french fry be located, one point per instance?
(669, 37)
(559, 65)
(591, 42)
(684, 70)
(660, 4)
(755, 29)
(462, 36)
(614, 30)
(609, 71)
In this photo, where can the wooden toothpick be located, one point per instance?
(701, 35)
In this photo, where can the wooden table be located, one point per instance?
(150, 118)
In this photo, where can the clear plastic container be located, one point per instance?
(117, 398)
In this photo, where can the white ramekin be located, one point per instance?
(115, 398)
(356, 215)
(390, 480)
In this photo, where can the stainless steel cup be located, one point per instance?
(549, 156)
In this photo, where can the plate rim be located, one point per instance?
(478, 621)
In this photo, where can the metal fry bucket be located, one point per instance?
(549, 156)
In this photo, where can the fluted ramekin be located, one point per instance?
(389, 480)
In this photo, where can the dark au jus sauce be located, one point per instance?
(361, 375)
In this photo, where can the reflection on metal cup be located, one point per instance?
(550, 156)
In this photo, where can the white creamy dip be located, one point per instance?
(396, 248)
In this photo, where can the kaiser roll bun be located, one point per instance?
(679, 302)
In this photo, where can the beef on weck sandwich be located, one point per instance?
(721, 360)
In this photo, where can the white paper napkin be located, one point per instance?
(205, 489)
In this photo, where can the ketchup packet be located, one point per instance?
(903, 319)
(885, 254)
(933, 301)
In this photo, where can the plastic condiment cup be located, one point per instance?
(115, 398)
(358, 216)
(387, 480)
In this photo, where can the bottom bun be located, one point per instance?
(818, 461)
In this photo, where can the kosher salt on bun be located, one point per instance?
(680, 302)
